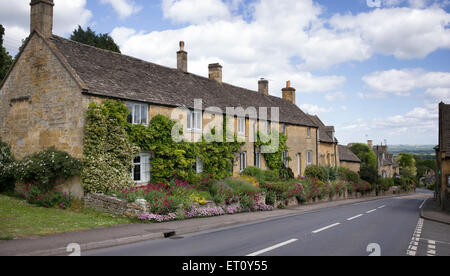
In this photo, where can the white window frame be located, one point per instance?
(198, 165)
(308, 132)
(136, 111)
(266, 127)
(241, 126)
(145, 168)
(309, 157)
(285, 156)
(258, 159)
(299, 169)
(195, 121)
(243, 161)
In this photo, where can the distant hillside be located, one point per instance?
(424, 151)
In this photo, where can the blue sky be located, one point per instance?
(372, 68)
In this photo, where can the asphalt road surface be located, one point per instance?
(385, 227)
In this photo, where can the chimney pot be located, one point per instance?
(42, 17)
(215, 72)
(182, 58)
(289, 92)
(263, 86)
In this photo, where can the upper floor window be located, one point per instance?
(308, 132)
(241, 126)
(266, 127)
(194, 120)
(257, 159)
(284, 129)
(138, 113)
(286, 158)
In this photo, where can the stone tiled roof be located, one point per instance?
(346, 155)
(110, 74)
(323, 133)
(444, 144)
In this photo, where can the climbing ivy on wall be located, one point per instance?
(274, 160)
(111, 143)
(108, 152)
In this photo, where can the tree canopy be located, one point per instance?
(5, 59)
(89, 37)
(369, 168)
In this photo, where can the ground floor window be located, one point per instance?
(286, 158)
(309, 157)
(258, 159)
(299, 164)
(243, 160)
(141, 168)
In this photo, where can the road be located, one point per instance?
(386, 227)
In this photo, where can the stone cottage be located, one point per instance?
(442, 193)
(46, 93)
(348, 159)
(388, 167)
(328, 151)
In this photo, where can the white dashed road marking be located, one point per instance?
(355, 217)
(272, 248)
(325, 228)
(431, 248)
(371, 211)
(381, 207)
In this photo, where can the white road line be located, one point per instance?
(413, 246)
(371, 211)
(423, 203)
(272, 248)
(355, 217)
(325, 228)
(381, 207)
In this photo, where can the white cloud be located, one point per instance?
(405, 33)
(315, 109)
(336, 96)
(403, 82)
(15, 17)
(124, 8)
(196, 11)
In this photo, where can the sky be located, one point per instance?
(374, 69)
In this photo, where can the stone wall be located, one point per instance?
(353, 166)
(113, 205)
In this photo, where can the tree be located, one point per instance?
(369, 168)
(407, 164)
(89, 37)
(5, 59)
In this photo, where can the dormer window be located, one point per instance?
(138, 113)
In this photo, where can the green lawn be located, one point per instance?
(18, 219)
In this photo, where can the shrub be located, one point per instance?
(271, 197)
(241, 187)
(286, 173)
(385, 183)
(331, 173)
(44, 168)
(221, 192)
(348, 175)
(271, 175)
(255, 172)
(247, 202)
(47, 199)
(297, 191)
(316, 172)
(6, 164)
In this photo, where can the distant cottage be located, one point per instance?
(388, 167)
(46, 93)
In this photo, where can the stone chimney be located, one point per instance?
(370, 144)
(215, 72)
(42, 17)
(263, 86)
(289, 92)
(182, 58)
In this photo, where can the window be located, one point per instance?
(141, 169)
(194, 120)
(138, 113)
(299, 163)
(243, 159)
(258, 159)
(309, 157)
(266, 127)
(284, 129)
(241, 126)
(286, 158)
(198, 165)
(308, 132)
